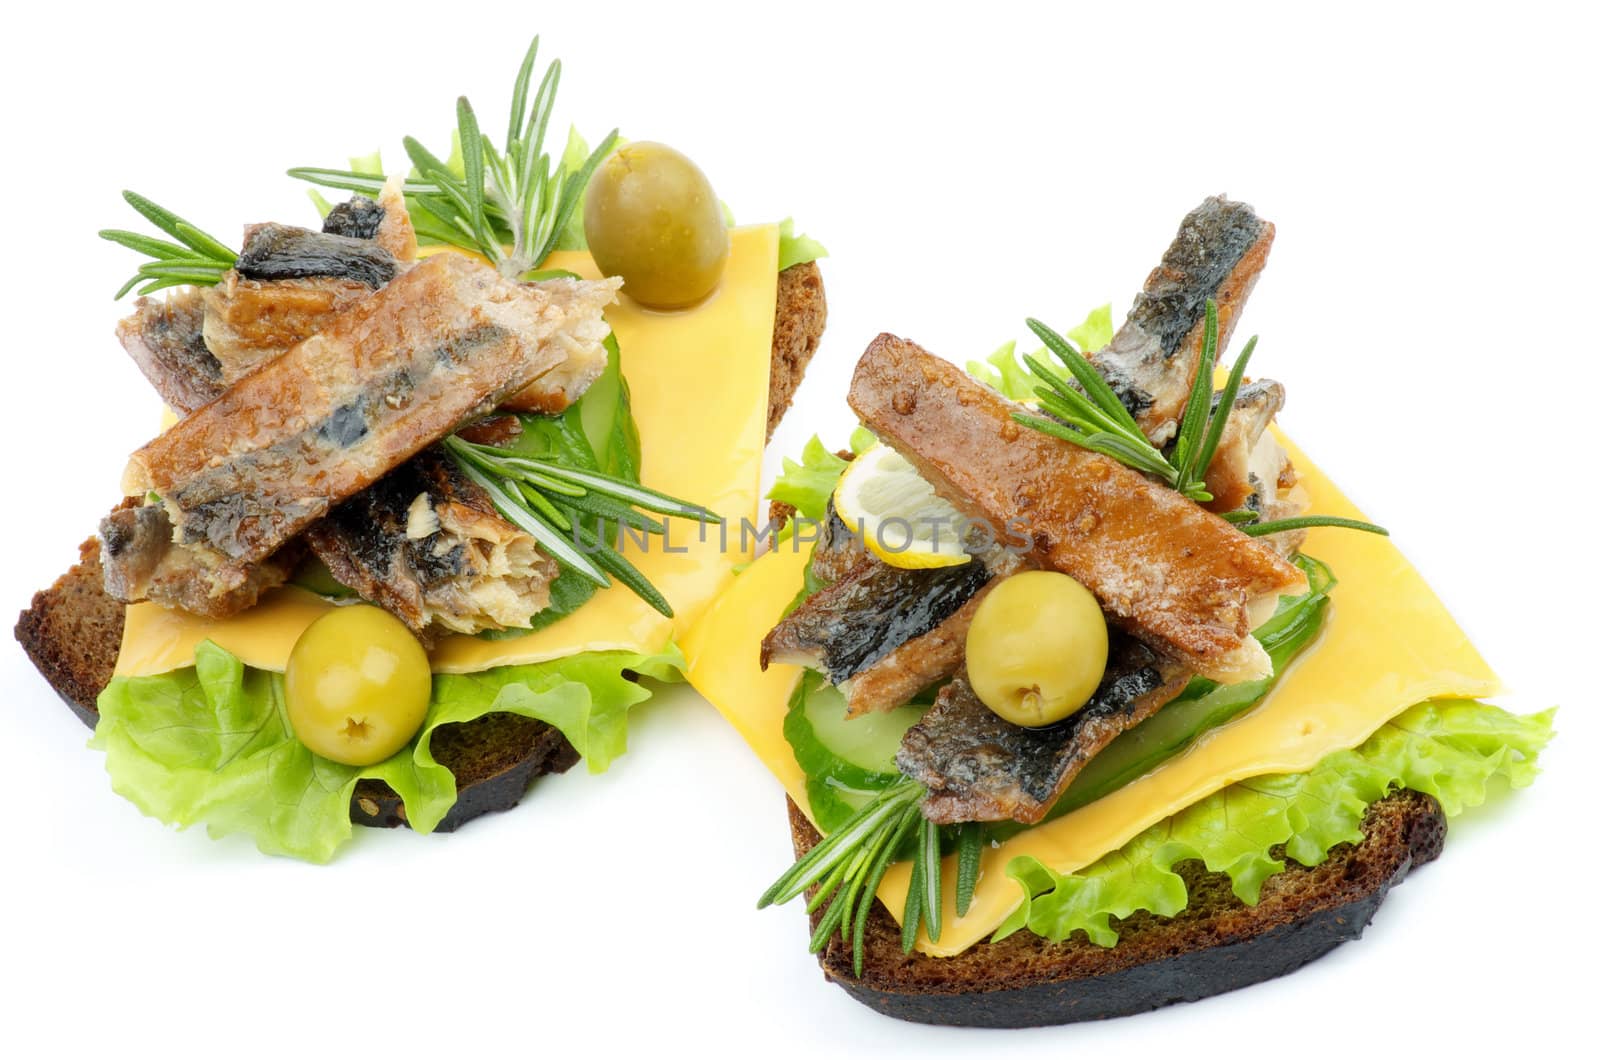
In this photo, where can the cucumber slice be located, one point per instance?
(857, 753)
(832, 804)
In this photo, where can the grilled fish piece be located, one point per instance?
(166, 340)
(426, 543)
(249, 322)
(979, 767)
(290, 282)
(142, 563)
(1165, 570)
(438, 347)
(1150, 363)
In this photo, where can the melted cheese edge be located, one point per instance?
(698, 380)
(1388, 643)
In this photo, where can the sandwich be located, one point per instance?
(1089, 690)
(438, 491)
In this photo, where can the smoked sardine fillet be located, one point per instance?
(439, 346)
(1167, 571)
(290, 282)
(881, 634)
(979, 767)
(1150, 363)
(141, 562)
(165, 338)
(426, 544)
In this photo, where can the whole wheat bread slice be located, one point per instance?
(1215, 945)
(73, 631)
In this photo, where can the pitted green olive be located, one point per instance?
(357, 685)
(1036, 650)
(651, 217)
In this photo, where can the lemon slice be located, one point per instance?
(903, 522)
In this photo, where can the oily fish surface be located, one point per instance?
(699, 380)
(1387, 643)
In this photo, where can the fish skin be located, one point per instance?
(1165, 570)
(872, 609)
(979, 767)
(141, 562)
(286, 252)
(357, 218)
(471, 571)
(837, 551)
(385, 221)
(165, 338)
(914, 665)
(1150, 363)
(438, 347)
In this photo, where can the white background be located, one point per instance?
(1430, 303)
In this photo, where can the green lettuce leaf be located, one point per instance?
(212, 743)
(807, 483)
(793, 249)
(1095, 331)
(1450, 749)
(1004, 371)
(571, 161)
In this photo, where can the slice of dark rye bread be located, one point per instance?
(1215, 945)
(72, 631)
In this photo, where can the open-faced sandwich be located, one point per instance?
(435, 493)
(1090, 692)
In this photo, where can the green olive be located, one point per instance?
(1036, 650)
(651, 217)
(357, 685)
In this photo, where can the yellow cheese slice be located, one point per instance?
(1387, 643)
(698, 380)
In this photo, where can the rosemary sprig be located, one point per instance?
(1091, 415)
(196, 258)
(848, 866)
(1255, 528)
(497, 196)
(550, 502)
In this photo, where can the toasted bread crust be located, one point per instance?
(73, 631)
(797, 330)
(1215, 945)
